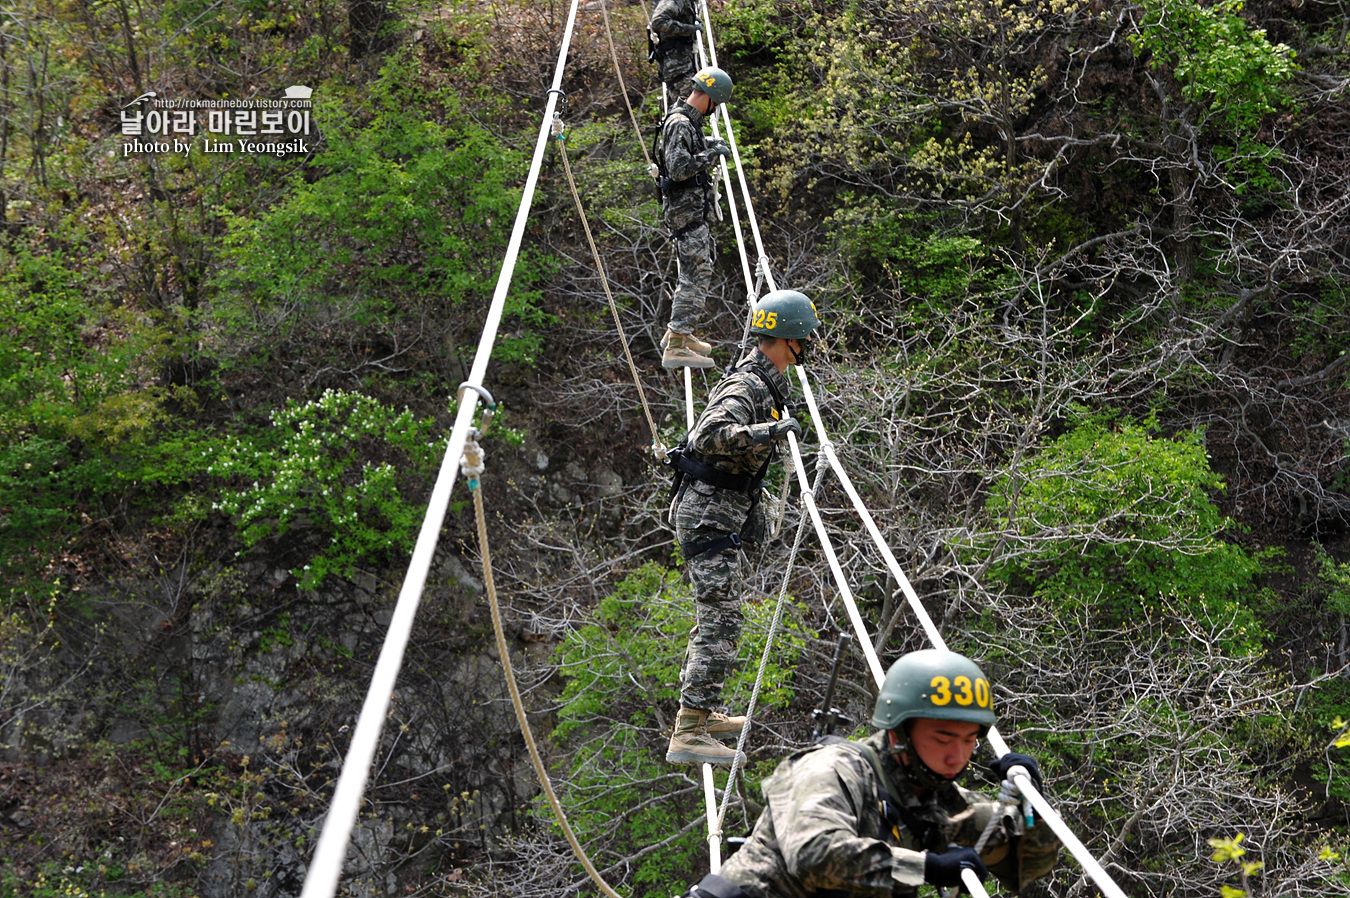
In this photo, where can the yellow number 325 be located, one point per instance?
(766, 320)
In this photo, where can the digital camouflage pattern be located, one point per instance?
(683, 213)
(694, 250)
(821, 830)
(673, 23)
(724, 437)
(681, 145)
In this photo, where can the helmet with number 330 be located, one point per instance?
(937, 684)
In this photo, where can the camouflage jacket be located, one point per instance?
(724, 438)
(673, 20)
(822, 833)
(682, 140)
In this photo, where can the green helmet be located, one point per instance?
(714, 82)
(937, 684)
(786, 314)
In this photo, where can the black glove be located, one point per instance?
(772, 430)
(1012, 759)
(944, 870)
(709, 156)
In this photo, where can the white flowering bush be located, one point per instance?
(344, 465)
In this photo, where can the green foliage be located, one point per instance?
(749, 25)
(344, 465)
(1230, 853)
(399, 212)
(1113, 517)
(1332, 580)
(1217, 58)
(637, 637)
(899, 251)
(81, 417)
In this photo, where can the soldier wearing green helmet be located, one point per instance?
(716, 511)
(884, 815)
(684, 162)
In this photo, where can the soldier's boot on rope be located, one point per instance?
(691, 341)
(724, 726)
(681, 352)
(691, 743)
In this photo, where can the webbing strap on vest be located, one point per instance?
(894, 812)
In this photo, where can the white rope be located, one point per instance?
(326, 866)
(764, 656)
(714, 821)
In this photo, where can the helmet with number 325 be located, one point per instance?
(784, 313)
(937, 684)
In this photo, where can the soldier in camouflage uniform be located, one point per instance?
(674, 24)
(685, 160)
(883, 816)
(716, 510)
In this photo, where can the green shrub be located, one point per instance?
(1118, 519)
(343, 465)
(399, 216)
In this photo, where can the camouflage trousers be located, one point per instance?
(677, 72)
(717, 607)
(694, 249)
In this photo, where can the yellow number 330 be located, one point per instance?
(766, 320)
(966, 693)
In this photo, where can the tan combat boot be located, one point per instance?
(691, 744)
(725, 727)
(691, 342)
(680, 352)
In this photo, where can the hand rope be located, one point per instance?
(560, 133)
(1007, 796)
(472, 466)
(614, 55)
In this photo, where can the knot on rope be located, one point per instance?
(472, 462)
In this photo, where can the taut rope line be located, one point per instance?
(325, 867)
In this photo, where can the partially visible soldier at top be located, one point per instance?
(717, 510)
(684, 162)
(674, 24)
(883, 816)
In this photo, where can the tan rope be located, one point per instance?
(473, 466)
(658, 448)
(614, 55)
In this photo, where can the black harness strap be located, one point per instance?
(711, 547)
(896, 813)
